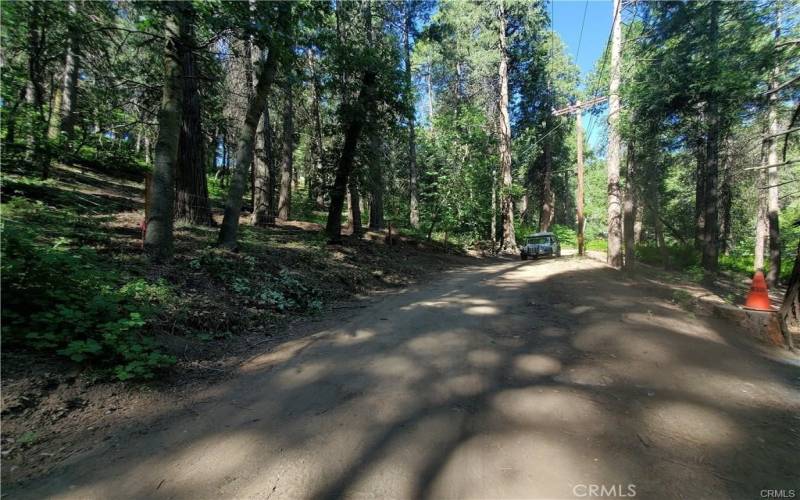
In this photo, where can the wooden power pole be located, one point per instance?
(578, 108)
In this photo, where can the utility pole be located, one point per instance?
(577, 109)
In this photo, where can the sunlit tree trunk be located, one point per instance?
(412, 148)
(773, 179)
(614, 256)
(629, 218)
(158, 239)
(507, 201)
(546, 194)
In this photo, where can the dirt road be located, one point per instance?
(537, 379)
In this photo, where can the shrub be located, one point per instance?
(63, 300)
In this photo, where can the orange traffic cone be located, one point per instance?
(758, 298)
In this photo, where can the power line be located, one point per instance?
(580, 37)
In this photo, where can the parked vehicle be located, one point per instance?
(541, 245)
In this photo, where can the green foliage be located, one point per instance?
(282, 291)
(61, 299)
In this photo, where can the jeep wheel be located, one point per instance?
(523, 256)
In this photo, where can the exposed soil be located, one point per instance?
(504, 379)
(52, 410)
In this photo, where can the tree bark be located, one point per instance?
(711, 229)
(191, 189)
(285, 194)
(412, 148)
(317, 176)
(507, 201)
(355, 207)
(546, 195)
(614, 256)
(700, 195)
(245, 149)
(773, 179)
(629, 218)
(376, 183)
(159, 224)
(69, 93)
(354, 125)
(36, 93)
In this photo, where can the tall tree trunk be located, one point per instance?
(429, 80)
(507, 201)
(725, 202)
(316, 177)
(700, 195)
(354, 126)
(493, 225)
(285, 194)
(711, 232)
(546, 195)
(245, 147)
(629, 218)
(376, 183)
(773, 179)
(762, 222)
(191, 189)
(412, 147)
(614, 257)
(344, 166)
(579, 197)
(355, 206)
(261, 209)
(158, 238)
(36, 78)
(69, 92)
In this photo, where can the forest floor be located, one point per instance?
(210, 321)
(500, 379)
(420, 373)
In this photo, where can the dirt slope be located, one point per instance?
(510, 379)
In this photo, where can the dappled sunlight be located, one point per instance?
(358, 336)
(550, 405)
(520, 464)
(673, 325)
(484, 358)
(301, 374)
(536, 365)
(690, 422)
(482, 310)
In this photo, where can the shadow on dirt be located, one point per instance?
(498, 386)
